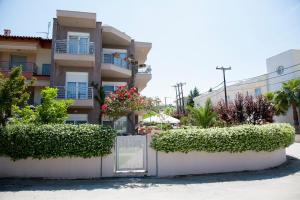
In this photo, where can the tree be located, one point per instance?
(287, 96)
(52, 110)
(13, 92)
(193, 93)
(169, 110)
(203, 116)
(99, 97)
(122, 102)
(25, 115)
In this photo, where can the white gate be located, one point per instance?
(131, 153)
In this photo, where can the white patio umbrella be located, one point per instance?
(162, 118)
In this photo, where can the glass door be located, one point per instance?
(78, 44)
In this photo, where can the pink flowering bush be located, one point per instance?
(122, 102)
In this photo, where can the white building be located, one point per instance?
(280, 68)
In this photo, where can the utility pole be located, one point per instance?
(166, 101)
(176, 95)
(182, 98)
(224, 81)
(179, 98)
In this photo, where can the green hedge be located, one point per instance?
(56, 140)
(231, 139)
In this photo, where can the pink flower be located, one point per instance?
(104, 107)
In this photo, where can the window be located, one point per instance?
(257, 91)
(120, 60)
(280, 70)
(16, 61)
(82, 90)
(77, 119)
(77, 85)
(78, 43)
(109, 87)
(46, 69)
(71, 90)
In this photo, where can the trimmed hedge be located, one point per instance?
(230, 139)
(56, 140)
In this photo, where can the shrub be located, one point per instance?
(203, 116)
(258, 110)
(230, 139)
(55, 140)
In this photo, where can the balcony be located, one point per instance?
(115, 66)
(74, 53)
(83, 97)
(142, 77)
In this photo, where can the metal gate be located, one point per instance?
(131, 154)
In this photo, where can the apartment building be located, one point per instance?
(280, 68)
(82, 51)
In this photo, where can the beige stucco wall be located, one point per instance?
(43, 56)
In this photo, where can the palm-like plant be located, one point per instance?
(287, 97)
(203, 116)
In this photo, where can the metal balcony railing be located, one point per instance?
(109, 58)
(144, 70)
(77, 93)
(75, 48)
(26, 67)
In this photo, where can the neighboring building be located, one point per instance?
(280, 68)
(33, 54)
(83, 51)
(252, 86)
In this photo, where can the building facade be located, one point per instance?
(82, 51)
(280, 68)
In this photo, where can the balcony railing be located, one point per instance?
(77, 93)
(109, 58)
(75, 48)
(144, 70)
(26, 67)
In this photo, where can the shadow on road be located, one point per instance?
(290, 167)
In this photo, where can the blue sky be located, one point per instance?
(189, 38)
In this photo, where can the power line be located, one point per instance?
(265, 79)
(215, 93)
(263, 74)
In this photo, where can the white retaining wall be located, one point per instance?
(159, 164)
(170, 164)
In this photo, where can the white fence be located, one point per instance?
(140, 160)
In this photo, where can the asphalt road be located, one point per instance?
(278, 183)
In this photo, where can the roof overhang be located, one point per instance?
(76, 19)
(113, 36)
(141, 51)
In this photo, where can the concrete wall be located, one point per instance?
(170, 164)
(159, 164)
